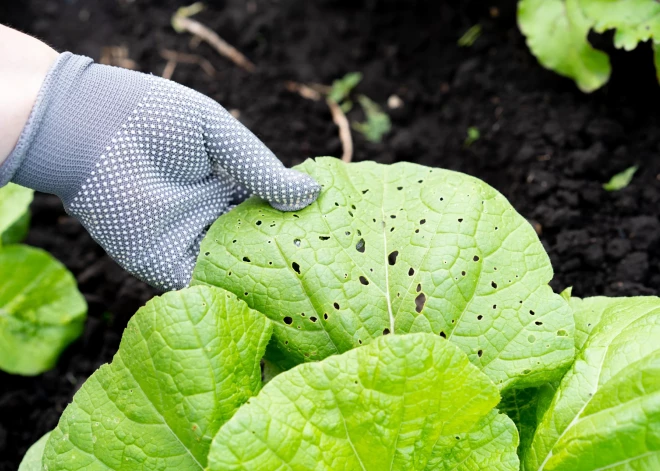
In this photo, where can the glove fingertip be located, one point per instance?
(300, 190)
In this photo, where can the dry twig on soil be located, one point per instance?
(181, 22)
(174, 57)
(117, 56)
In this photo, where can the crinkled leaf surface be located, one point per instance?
(606, 411)
(397, 249)
(556, 32)
(186, 362)
(41, 310)
(32, 459)
(14, 213)
(490, 445)
(633, 20)
(380, 407)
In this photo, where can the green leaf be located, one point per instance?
(186, 362)
(383, 406)
(32, 459)
(490, 445)
(378, 122)
(396, 249)
(621, 180)
(473, 135)
(556, 32)
(41, 310)
(606, 411)
(635, 21)
(14, 213)
(342, 88)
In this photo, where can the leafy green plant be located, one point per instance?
(556, 32)
(470, 36)
(605, 413)
(41, 310)
(473, 135)
(32, 461)
(342, 88)
(391, 250)
(422, 296)
(14, 213)
(378, 122)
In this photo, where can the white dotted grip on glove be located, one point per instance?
(145, 164)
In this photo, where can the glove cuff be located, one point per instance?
(79, 107)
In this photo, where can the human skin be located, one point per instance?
(24, 63)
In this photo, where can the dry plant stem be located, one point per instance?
(339, 118)
(315, 92)
(223, 47)
(174, 58)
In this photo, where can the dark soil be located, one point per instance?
(543, 144)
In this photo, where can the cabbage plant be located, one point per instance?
(407, 324)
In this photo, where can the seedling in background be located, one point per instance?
(378, 122)
(473, 135)
(470, 36)
(342, 88)
(621, 180)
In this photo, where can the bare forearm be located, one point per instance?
(24, 63)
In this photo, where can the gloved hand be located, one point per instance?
(145, 164)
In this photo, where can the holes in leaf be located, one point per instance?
(530, 311)
(479, 317)
(386, 331)
(324, 237)
(460, 219)
(364, 192)
(296, 242)
(296, 267)
(494, 306)
(538, 323)
(359, 232)
(336, 204)
(475, 258)
(360, 341)
(245, 293)
(420, 300)
(399, 188)
(479, 353)
(350, 213)
(353, 206)
(347, 233)
(393, 216)
(416, 231)
(391, 258)
(420, 181)
(288, 320)
(411, 272)
(207, 253)
(493, 284)
(302, 314)
(258, 223)
(313, 319)
(463, 273)
(296, 216)
(363, 280)
(422, 222)
(336, 305)
(360, 246)
(325, 316)
(441, 198)
(245, 259)
(419, 287)
(443, 335)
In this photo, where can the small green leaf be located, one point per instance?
(473, 136)
(342, 88)
(635, 21)
(41, 310)
(32, 459)
(378, 122)
(186, 362)
(621, 180)
(490, 445)
(470, 36)
(390, 405)
(606, 412)
(566, 294)
(396, 249)
(556, 32)
(14, 213)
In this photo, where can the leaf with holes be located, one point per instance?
(392, 250)
(390, 405)
(14, 213)
(606, 412)
(41, 310)
(186, 362)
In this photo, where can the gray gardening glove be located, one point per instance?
(145, 164)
